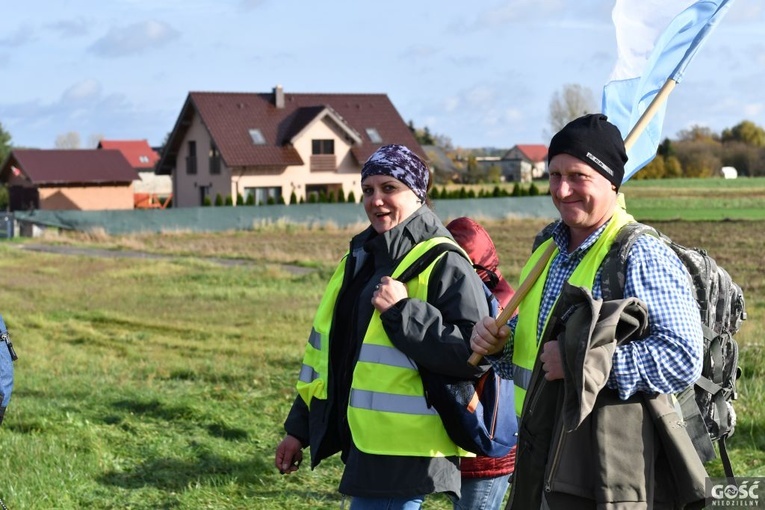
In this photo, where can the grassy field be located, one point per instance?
(163, 383)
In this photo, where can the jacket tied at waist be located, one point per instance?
(580, 445)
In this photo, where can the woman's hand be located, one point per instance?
(289, 455)
(487, 337)
(387, 293)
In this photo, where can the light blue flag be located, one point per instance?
(656, 39)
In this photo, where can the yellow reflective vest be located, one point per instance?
(387, 411)
(525, 338)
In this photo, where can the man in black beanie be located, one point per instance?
(608, 459)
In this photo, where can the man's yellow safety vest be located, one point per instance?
(526, 341)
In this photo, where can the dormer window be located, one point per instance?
(373, 135)
(257, 137)
(322, 146)
(143, 159)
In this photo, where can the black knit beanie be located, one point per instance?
(594, 140)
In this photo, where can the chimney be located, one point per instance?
(279, 96)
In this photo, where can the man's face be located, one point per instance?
(584, 198)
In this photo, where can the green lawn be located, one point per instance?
(146, 383)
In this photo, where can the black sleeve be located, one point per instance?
(436, 333)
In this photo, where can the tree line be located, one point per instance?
(695, 152)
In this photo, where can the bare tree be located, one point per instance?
(572, 101)
(70, 140)
(94, 139)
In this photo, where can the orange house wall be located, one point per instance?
(94, 198)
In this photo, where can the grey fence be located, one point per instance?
(207, 219)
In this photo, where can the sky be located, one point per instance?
(481, 73)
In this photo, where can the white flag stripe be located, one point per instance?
(638, 24)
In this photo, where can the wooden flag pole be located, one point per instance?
(649, 112)
(536, 271)
(524, 289)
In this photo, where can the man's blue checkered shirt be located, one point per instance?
(666, 361)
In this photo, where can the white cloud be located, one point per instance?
(86, 90)
(135, 38)
(71, 27)
(20, 37)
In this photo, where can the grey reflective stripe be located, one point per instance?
(521, 376)
(390, 403)
(314, 339)
(308, 374)
(385, 355)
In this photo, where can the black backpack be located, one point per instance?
(478, 415)
(707, 405)
(7, 357)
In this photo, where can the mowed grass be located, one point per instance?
(164, 383)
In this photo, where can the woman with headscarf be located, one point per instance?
(359, 391)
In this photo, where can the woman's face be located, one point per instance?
(387, 201)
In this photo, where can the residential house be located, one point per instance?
(524, 163)
(270, 145)
(444, 169)
(150, 191)
(68, 179)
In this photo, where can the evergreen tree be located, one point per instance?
(293, 198)
(351, 197)
(218, 200)
(5, 143)
(517, 191)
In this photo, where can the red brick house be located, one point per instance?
(270, 145)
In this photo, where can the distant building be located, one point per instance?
(270, 145)
(444, 169)
(522, 163)
(150, 191)
(74, 179)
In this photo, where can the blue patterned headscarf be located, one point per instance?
(400, 163)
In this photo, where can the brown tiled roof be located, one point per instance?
(138, 152)
(229, 116)
(534, 152)
(57, 167)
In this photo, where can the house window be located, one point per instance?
(191, 158)
(373, 135)
(262, 195)
(257, 136)
(214, 159)
(323, 147)
(143, 159)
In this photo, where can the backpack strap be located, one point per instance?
(427, 258)
(614, 269)
(544, 235)
(614, 266)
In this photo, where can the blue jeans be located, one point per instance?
(414, 503)
(482, 493)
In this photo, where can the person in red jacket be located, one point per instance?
(484, 479)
